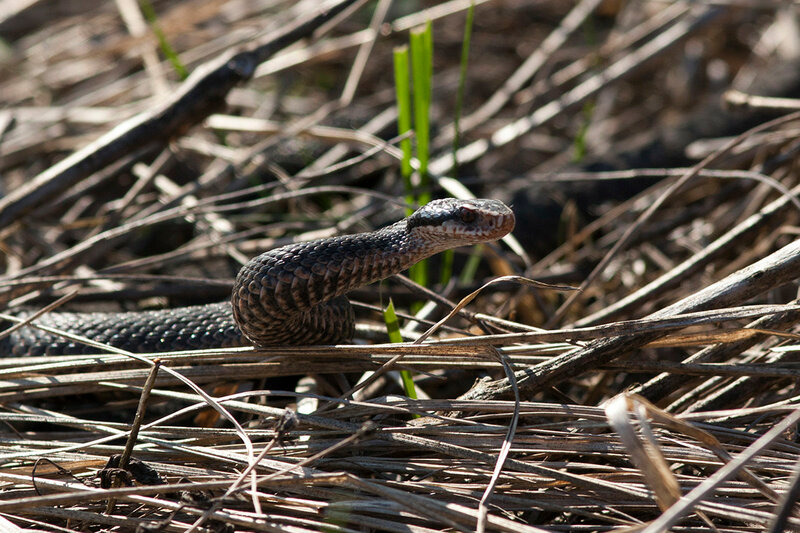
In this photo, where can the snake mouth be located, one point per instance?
(498, 222)
(497, 228)
(505, 224)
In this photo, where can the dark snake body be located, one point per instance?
(290, 295)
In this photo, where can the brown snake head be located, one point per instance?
(451, 222)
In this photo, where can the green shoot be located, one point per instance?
(471, 266)
(422, 69)
(402, 84)
(462, 82)
(393, 329)
(446, 272)
(447, 256)
(579, 145)
(422, 73)
(166, 48)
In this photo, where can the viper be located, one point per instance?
(292, 295)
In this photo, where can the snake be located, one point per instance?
(291, 295)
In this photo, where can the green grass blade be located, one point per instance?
(471, 266)
(402, 84)
(462, 82)
(447, 257)
(393, 329)
(446, 273)
(421, 67)
(419, 274)
(422, 73)
(166, 48)
(579, 147)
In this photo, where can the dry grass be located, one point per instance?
(688, 300)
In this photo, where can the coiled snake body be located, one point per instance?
(290, 295)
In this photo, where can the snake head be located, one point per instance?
(451, 222)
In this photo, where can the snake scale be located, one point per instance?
(289, 295)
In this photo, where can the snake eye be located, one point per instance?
(467, 215)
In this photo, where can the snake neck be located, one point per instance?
(289, 281)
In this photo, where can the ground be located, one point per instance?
(643, 167)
